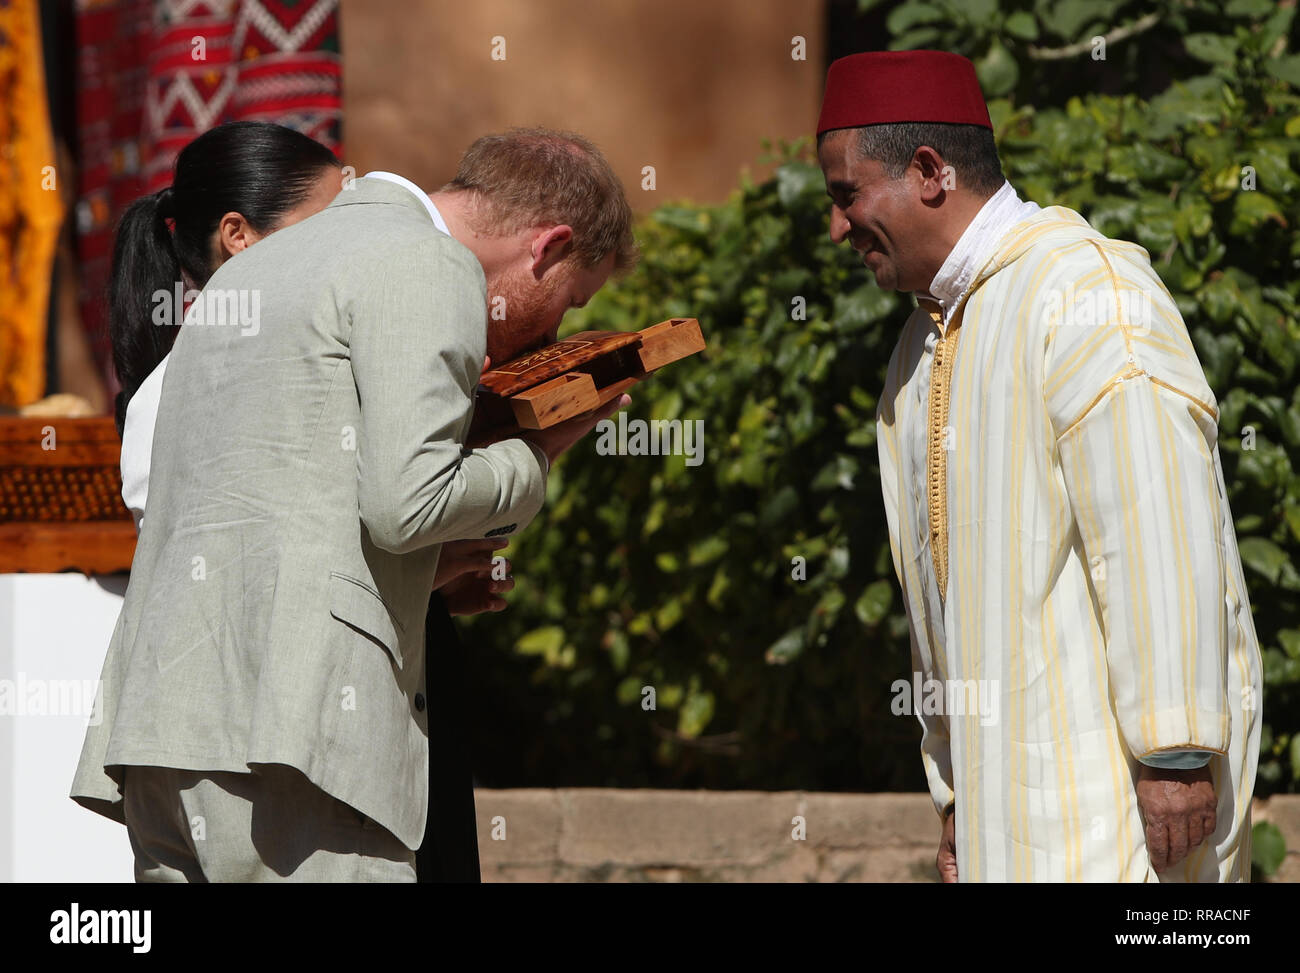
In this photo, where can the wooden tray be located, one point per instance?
(582, 372)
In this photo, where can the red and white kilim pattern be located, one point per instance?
(153, 74)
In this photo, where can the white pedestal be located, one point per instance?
(54, 632)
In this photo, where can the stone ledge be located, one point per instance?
(616, 835)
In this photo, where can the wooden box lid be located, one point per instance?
(555, 359)
(582, 372)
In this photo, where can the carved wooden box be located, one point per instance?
(582, 372)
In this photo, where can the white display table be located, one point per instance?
(54, 631)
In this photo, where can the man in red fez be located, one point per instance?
(1087, 672)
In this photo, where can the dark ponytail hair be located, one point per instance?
(256, 169)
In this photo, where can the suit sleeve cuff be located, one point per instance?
(542, 458)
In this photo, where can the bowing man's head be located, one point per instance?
(547, 218)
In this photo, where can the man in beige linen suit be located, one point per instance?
(263, 710)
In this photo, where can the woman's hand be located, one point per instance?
(465, 576)
(471, 594)
(459, 558)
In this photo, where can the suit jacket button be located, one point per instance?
(419, 702)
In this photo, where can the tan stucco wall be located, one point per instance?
(691, 88)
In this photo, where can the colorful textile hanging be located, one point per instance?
(153, 74)
(30, 210)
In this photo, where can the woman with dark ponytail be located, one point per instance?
(232, 185)
(143, 258)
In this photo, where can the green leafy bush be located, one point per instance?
(644, 572)
(648, 572)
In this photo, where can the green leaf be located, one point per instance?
(997, 70)
(655, 518)
(1251, 209)
(1272, 168)
(978, 12)
(837, 562)
(1069, 17)
(1262, 556)
(546, 641)
(1285, 69)
(839, 472)
(1211, 48)
(667, 406)
(1113, 215)
(1267, 847)
(864, 435)
(778, 506)
(1249, 523)
(862, 306)
(669, 614)
(827, 610)
(1275, 27)
(683, 218)
(908, 15)
(707, 550)
(618, 649)
(1023, 25)
(640, 624)
(785, 649)
(874, 602)
(628, 691)
(1219, 298)
(718, 589)
(1292, 515)
(917, 39)
(695, 714)
(795, 180)
(1184, 105)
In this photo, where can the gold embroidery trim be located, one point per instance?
(945, 351)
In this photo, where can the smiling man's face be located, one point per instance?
(876, 214)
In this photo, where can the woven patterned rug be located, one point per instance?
(153, 74)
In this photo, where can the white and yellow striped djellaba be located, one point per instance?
(1060, 527)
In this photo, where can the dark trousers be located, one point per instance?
(450, 849)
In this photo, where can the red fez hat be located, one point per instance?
(902, 86)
